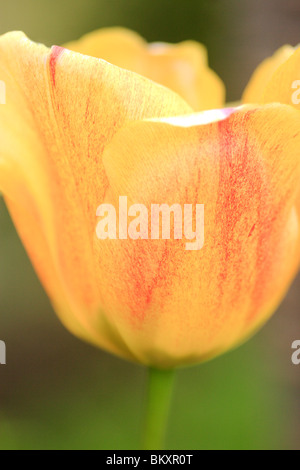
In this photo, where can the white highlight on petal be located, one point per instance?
(198, 119)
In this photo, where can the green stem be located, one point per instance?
(160, 389)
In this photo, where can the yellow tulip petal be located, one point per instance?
(182, 67)
(256, 87)
(285, 83)
(62, 109)
(175, 306)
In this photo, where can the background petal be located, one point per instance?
(281, 87)
(182, 67)
(263, 74)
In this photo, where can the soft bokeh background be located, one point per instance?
(59, 393)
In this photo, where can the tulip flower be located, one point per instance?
(78, 132)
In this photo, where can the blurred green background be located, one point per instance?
(59, 393)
